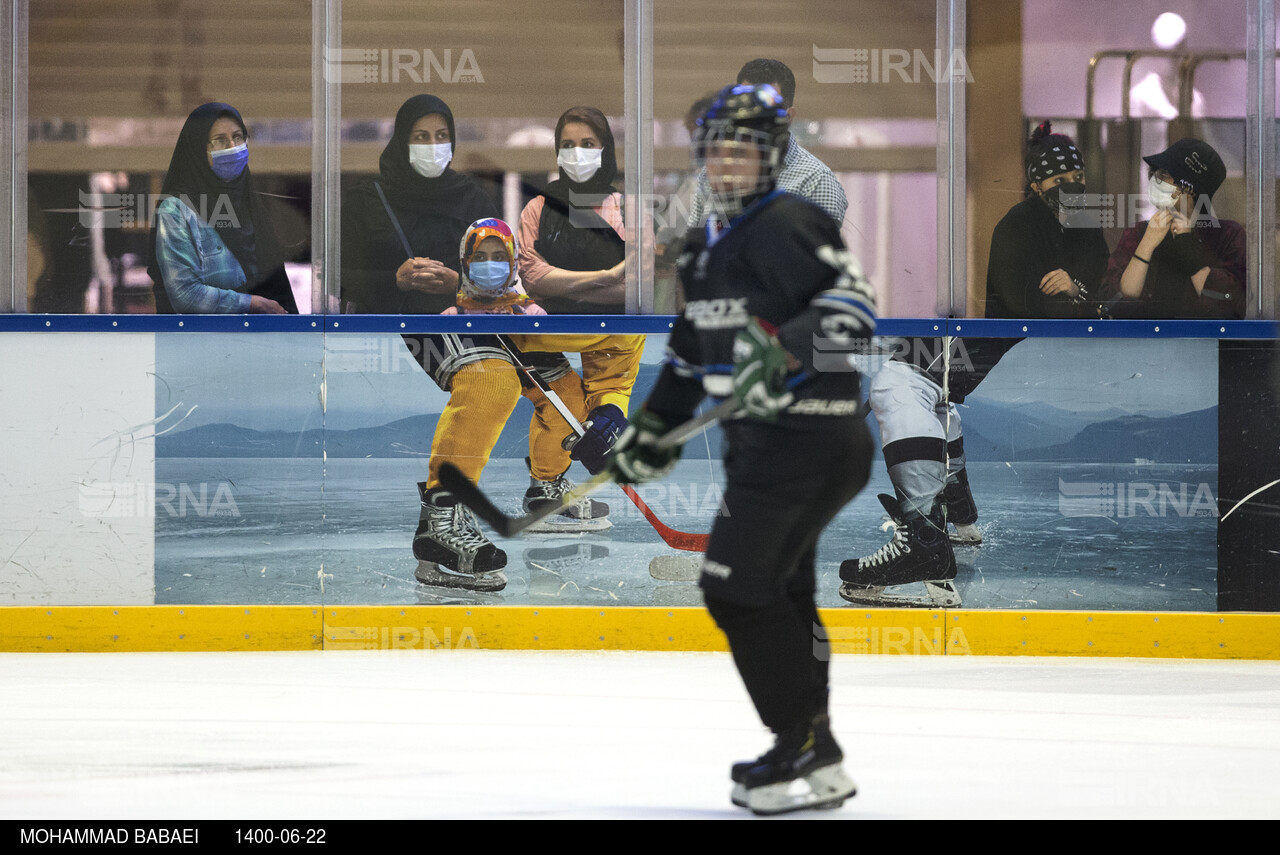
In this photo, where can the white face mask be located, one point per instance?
(1160, 193)
(580, 164)
(429, 160)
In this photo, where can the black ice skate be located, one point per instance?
(919, 551)
(809, 755)
(450, 548)
(962, 512)
(586, 515)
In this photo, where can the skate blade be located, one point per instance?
(430, 573)
(676, 568)
(567, 525)
(825, 789)
(966, 535)
(938, 595)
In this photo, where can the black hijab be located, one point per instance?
(238, 212)
(399, 179)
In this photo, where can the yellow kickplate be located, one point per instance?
(1176, 635)
(844, 631)
(519, 628)
(99, 629)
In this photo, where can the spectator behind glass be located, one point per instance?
(1184, 262)
(572, 242)
(417, 198)
(802, 173)
(213, 247)
(1045, 263)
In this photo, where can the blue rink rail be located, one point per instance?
(617, 324)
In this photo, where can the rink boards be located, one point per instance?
(222, 490)
(100, 629)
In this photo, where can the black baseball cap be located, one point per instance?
(1191, 161)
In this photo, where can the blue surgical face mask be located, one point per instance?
(489, 275)
(230, 162)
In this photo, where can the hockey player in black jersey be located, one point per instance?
(766, 282)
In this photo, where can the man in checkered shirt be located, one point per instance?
(802, 173)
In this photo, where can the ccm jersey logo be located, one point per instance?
(722, 313)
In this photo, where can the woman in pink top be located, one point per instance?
(572, 246)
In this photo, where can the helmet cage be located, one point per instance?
(730, 199)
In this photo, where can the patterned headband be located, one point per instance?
(1047, 161)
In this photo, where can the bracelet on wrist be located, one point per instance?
(1145, 261)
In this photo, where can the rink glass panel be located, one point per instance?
(929, 160)
(879, 136)
(107, 89)
(1123, 81)
(1096, 489)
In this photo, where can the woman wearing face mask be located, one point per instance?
(213, 247)
(571, 236)
(1044, 263)
(572, 261)
(1184, 262)
(417, 199)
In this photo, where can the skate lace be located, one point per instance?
(896, 546)
(459, 529)
(561, 487)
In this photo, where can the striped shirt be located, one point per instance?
(801, 174)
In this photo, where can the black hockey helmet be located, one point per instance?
(744, 114)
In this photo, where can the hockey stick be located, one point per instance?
(470, 495)
(685, 540)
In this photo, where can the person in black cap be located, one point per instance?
(1042, 264)
(1184, 262)
(213, 247)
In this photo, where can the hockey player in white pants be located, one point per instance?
(923, 445)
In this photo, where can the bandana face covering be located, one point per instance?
(230, 162)
(430, 160)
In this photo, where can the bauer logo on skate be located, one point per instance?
(1121, 499)
(718, 314)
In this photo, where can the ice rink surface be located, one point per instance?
(491, 734)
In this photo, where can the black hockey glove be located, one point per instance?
(760, 366)
(600, 433)
(635, 459)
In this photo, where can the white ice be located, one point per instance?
(491, 734)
